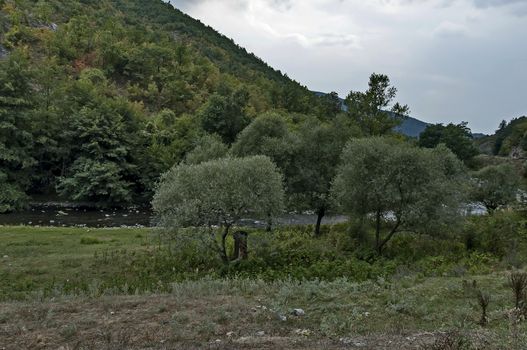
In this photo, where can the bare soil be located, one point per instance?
(163, 322)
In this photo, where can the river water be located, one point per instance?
(57, 216)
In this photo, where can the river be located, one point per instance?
(58, 216)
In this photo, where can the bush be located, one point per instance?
(502, 234)
(90, 240)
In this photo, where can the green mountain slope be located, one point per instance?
(110, 93)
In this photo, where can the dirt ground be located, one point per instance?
(163, 322)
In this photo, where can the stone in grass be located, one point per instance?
(260, 333)
(282, 318)
(303, 332)
(349, 341)
(298, 312)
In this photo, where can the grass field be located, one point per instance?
(403, 312)
(33, 258)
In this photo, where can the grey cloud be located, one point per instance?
(335, 40)
(449, 30)
(188, 4)
(514, 7)
(494, 3)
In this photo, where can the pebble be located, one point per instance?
(298, 312)
(303, 332)
(345, 341)
(282, 318)
(260, 333)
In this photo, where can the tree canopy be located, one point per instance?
(457, 137)
(16, 137)
(374, 110)
(495, 186)
(398, 187)
(215, 195)
(98, 98)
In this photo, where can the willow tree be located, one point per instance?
(495, 186)
(398, 187)
(212, 197)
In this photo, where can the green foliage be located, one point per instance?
(102, 131)
(96, 181)
(369, 109)
(458, 138)
(510, 137)
(16, 139)
(306, 149)
(502, 234)
(399, 187)
(330, 105)
(126, 85)
(225, 115)
(90, 240)
(495, 186)
(316, 160)
(96, 261)
(209, 147)
(171, 138)
(269, 135)
(218, 193)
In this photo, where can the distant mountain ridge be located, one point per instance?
(410, 127)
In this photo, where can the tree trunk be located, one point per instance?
(240, 246)
(269, 227)
(223, 248)
(378, 246)
(320, 214)
(394, 230)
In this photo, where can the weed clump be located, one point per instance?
(518, 284)
(483, 301)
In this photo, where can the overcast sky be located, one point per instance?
(452, 60)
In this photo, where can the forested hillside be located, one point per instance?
(99, 97)
(509, 140)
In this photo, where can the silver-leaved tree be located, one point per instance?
(212, 197)
(398, 187)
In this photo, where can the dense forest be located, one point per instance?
(97, 98)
